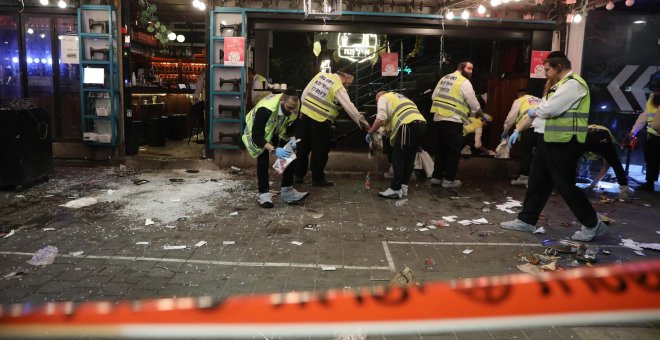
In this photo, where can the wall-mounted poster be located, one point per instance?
(234, 51)
(536, 69)
(390, 64)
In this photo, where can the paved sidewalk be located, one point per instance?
(344, 226)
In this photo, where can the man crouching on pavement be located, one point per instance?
(406, 128)
(268, 127)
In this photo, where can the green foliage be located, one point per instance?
(149, 20)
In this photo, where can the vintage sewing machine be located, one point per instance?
(234, 29)
(98, 26)
(229, 111)
(236, 83)
(99, 53)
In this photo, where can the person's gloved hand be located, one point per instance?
(282, 153)
(368, 138)
(515, 136)
(504, 135)
(531, 113)
(292, 143)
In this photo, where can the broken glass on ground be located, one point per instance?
(44, 256)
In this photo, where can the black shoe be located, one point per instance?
(647, 186)
(323, 183)
(298, 180)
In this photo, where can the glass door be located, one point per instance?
(39, 59)
(10, 71)
(67, 102)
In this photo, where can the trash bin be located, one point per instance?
(177, 127)
(155, 131)
(133, 137)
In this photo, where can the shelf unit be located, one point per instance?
(178, 72)
(227, 98)
(99, 84)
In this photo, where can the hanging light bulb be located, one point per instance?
(630, 2)
(449, 15)
(495, 3)
(481, 9)
(61, 4)
(180, 38)
(465, 15)
(505, 1)
(171, 36)
(43, 2)
(201, 6)
(609, 6)
(195, 3)
(577, 18)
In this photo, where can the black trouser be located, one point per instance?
(652, 157)
(599, 141)
(263, 165)
(553, 165)
(315, 137)
(450, 143)
(527, 144)
(406, 144)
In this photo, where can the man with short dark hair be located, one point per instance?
(322, 99)
(454, 101)
(268, 128)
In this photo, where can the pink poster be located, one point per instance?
(234, 51)
(536, 69)
(390, 64)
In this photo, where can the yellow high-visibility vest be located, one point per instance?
(319, 102)
(571, 123)
(404, 111)
(449, 100)
(650, 114)
(272, 103)
(526, 102)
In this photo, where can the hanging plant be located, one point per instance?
(149, 20)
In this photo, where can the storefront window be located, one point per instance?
(10, 77)
(39, 59)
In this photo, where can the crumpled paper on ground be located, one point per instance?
(44, 256)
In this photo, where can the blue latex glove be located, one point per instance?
(368, 138)
(515, 136)
(531, 113)
(282, 153)
(504, 135)
(292, 143)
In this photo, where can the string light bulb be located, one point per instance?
(481, 9)
(180, 38)
(61, 4)
(171, 36)
(450, 15)
(630, 2)
(577, 18)
(195, 3)
(44, 2)
(495, 3)
(201, 6)
(465, 15)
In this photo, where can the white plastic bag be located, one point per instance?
(502, 150)
(281, 164)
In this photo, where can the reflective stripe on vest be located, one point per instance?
(571, 123)
(271, 103)
(319, 103)
(650, 114)
(526, 102)
(404, 112)
(450, 101)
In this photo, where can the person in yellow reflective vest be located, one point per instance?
(652, 143)
(454, 101)
(406, 128)
(322, 99)
(258, 88)
(516, 115)
(565, 111)
(268, 128)
(601, 142)
(473, 131)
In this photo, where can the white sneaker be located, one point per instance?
(265, 200)
(291, 195)
(404, 190)
(389, 193)
(451, 184)
(520, 181)
(436, 181)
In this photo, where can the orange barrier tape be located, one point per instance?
(614, 293)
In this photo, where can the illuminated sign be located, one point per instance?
(357, 47)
